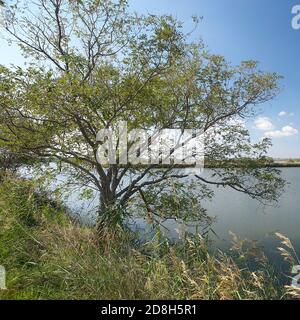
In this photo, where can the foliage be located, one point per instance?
(47, 256)
(93, 63)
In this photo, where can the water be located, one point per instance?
(246, 217)
(234, 212)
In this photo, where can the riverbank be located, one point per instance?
(281, 163)
(48, 256)
(293, 163)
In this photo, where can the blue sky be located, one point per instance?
(252, 29)
(240, 30)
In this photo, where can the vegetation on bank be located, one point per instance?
(263, 162)
(48, 256)
(286, 163)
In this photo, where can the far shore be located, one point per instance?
(280, 163)
(286, 163)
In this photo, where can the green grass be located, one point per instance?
(47, 256)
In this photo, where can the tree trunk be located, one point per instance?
(109, 213)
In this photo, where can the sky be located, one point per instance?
(239, 30)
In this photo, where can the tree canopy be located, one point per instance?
(94, 63)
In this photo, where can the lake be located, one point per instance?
(234, 212)
(246, 217)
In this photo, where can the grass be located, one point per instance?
(48, 256)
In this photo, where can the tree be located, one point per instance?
(93, 64)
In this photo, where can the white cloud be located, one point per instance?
(263, 123)
(286, 131)
(285, 114)
(282, 114)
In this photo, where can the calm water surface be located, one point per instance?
(238, 213)
(246, 217)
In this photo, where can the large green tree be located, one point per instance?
(91, 64)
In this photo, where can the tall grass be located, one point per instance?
(48, 256)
